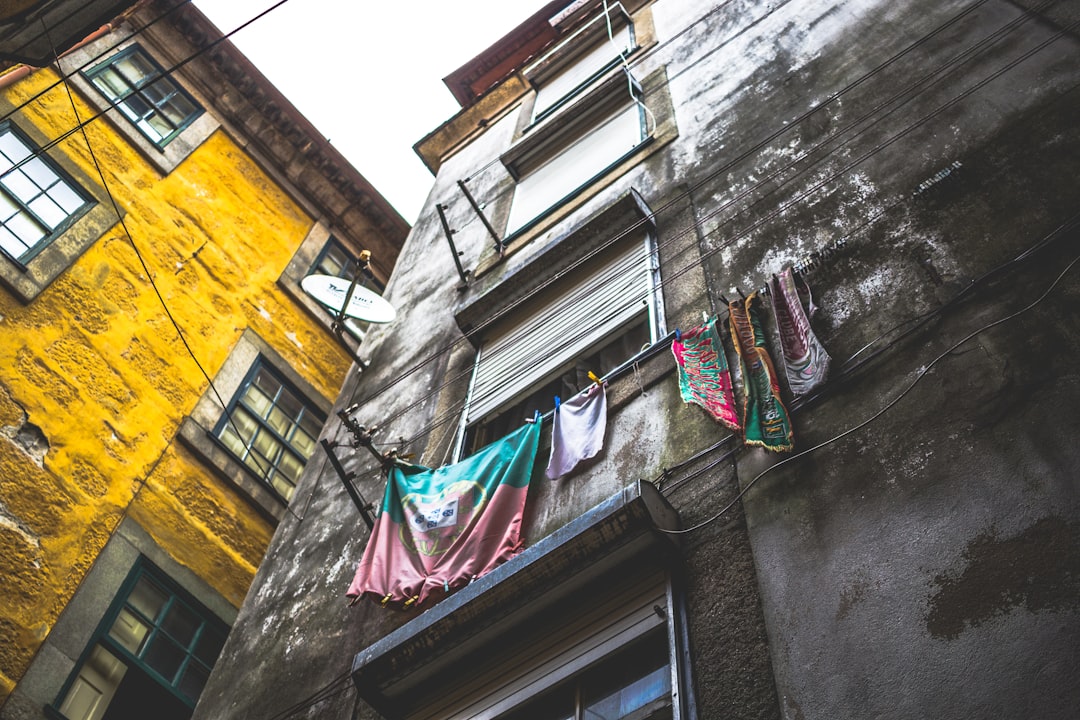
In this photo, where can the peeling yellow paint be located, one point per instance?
(97, 365)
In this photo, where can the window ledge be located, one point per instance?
(416, 662)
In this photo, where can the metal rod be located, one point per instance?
(450, 239)
(483, 218)
(362, 505)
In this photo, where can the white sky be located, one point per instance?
(369, 74)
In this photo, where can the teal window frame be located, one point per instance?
(153, 93)
(22, 173)
(176, 597)
(269, 470)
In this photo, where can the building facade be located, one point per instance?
(616, 172)
(163, 376)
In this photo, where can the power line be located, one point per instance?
(671, 203)
(783, 207)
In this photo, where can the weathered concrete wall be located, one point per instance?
(880, 575)
(94, 380)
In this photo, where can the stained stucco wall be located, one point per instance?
(94, 380)
(918, 566)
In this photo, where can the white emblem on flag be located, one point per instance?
(429, 516)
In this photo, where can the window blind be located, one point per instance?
(608, 297)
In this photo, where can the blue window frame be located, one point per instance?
(153, 650)
(139, 88)
(38, 200)
(271, 428)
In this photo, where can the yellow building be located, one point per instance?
(163, 378)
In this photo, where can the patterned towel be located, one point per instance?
(765, 418)
(805, 360)
(704, 378)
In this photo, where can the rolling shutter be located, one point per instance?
(610, 296)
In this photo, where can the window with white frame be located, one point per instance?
(587, 117)
(151, 100)
(594, 321)
(38, 201)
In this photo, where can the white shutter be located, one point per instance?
(608, 297)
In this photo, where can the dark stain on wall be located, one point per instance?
(1036, 570)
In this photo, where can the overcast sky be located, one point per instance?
(369, 74)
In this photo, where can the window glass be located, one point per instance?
(602, 55)
(36, 199)
(154, 649)
(138, 86)
(575, 165)
(275, 429)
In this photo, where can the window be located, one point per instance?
(270, 428)
(634, 683)
(621, 654)
(152, 652)
(38, 201)
(587, 117)
(580, 60)
(595, 322)
(154, 103)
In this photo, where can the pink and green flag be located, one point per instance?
(440, 529)
(765, 419)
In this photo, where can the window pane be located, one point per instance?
(28, 231)
(266, 445)
(181, 624)
(194, 680)
(94, 687)
(11, 244)
(303, 444)
(13, 148)
(209, 646)
(575, 165)
(290, 467)
(284, 488)
(39, 172)
(257, 401)
(235, 445)
(159, 126)
(147, 598)
(165, 656)
(266, 382)
(135, 67)
(48, 212)
(111, 84)
(20, 185)
(66, 197)
(281, 422)
(129, 631)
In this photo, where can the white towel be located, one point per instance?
(578, 430)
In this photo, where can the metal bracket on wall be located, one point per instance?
(483, 218)
(462, 272)
(362, 505)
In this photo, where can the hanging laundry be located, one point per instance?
(765, 419)
(440, 529)
(704, 378)
(806, 362)
(577, 430)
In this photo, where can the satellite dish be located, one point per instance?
(364, 304)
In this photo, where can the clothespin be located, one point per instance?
(412, 600)
(385, 600)
(446, 586)
(678, 335)
(594, 378)
(536, 416)
(558, 402)
(704, 317)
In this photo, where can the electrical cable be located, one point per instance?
(64, 78)
(724, 167)
(919, 376)
(157, 292)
